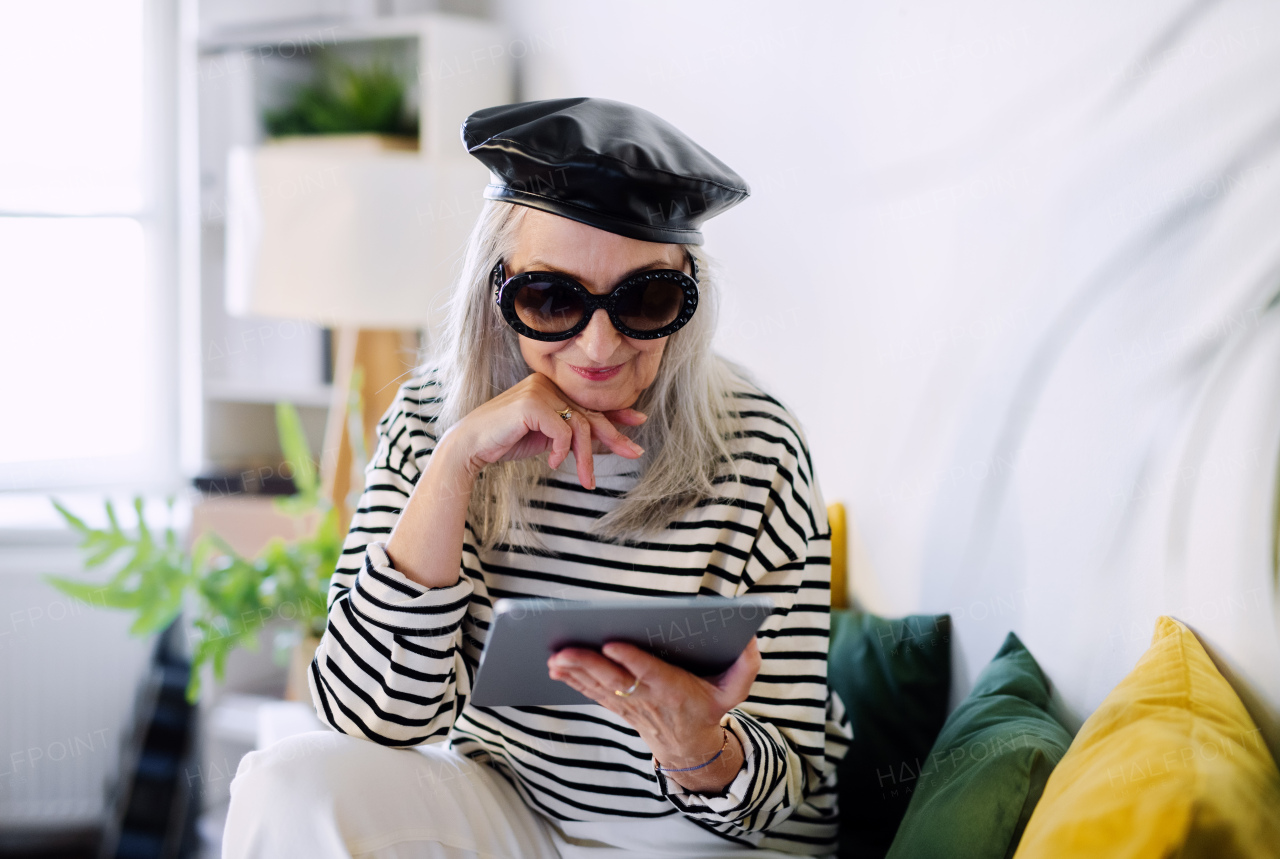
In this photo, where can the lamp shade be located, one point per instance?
(346, 234)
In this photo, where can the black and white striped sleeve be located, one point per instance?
(388, 663)
(783, 724)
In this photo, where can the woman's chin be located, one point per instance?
(602, 402)
(600, 396)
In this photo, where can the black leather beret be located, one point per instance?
(604, 163)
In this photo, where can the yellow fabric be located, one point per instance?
(839, 556)
(1169, 765)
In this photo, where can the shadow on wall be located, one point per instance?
(1049, 336)
(1136, 415)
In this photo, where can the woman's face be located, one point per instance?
(598, 369)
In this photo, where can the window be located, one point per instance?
(85, 375)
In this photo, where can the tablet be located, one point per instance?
(703, 635)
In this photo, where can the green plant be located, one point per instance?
(229, 597)
(345, 100)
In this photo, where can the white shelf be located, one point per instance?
(240, 392)
(238, 65)
(315, 33)
(235, 718)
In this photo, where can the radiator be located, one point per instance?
(68, 677)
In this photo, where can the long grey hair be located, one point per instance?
(688, 405)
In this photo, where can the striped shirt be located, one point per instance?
(397, 661)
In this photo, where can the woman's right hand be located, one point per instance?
(426, 543)
(524, 421)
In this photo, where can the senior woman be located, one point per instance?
(573, 438)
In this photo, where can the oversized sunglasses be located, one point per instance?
(546, 305)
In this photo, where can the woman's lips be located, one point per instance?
(597, 374)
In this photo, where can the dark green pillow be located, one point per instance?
(988, 768)
(894, 676)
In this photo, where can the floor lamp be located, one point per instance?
(364, 242)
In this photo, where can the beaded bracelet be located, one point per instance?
(708, 763)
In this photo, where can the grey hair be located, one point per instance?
(689, 413)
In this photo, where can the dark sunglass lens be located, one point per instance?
(548, 306)
(650, 305)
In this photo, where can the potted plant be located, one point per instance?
(347, 105)
(229, 598)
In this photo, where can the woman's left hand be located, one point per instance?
(676, 713)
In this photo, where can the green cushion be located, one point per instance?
(894, 676)
(988, 768)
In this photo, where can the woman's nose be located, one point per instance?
(599, 340)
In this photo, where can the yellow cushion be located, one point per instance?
(839, 555)
(1169, 765)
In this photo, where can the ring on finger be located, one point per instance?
(565, 414)
(627, 694)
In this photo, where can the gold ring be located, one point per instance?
(565, 414)
(627, 694)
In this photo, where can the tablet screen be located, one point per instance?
(703, 635)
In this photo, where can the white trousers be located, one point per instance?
(325, 794)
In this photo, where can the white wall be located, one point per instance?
(70, 675)
(1019, 246)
